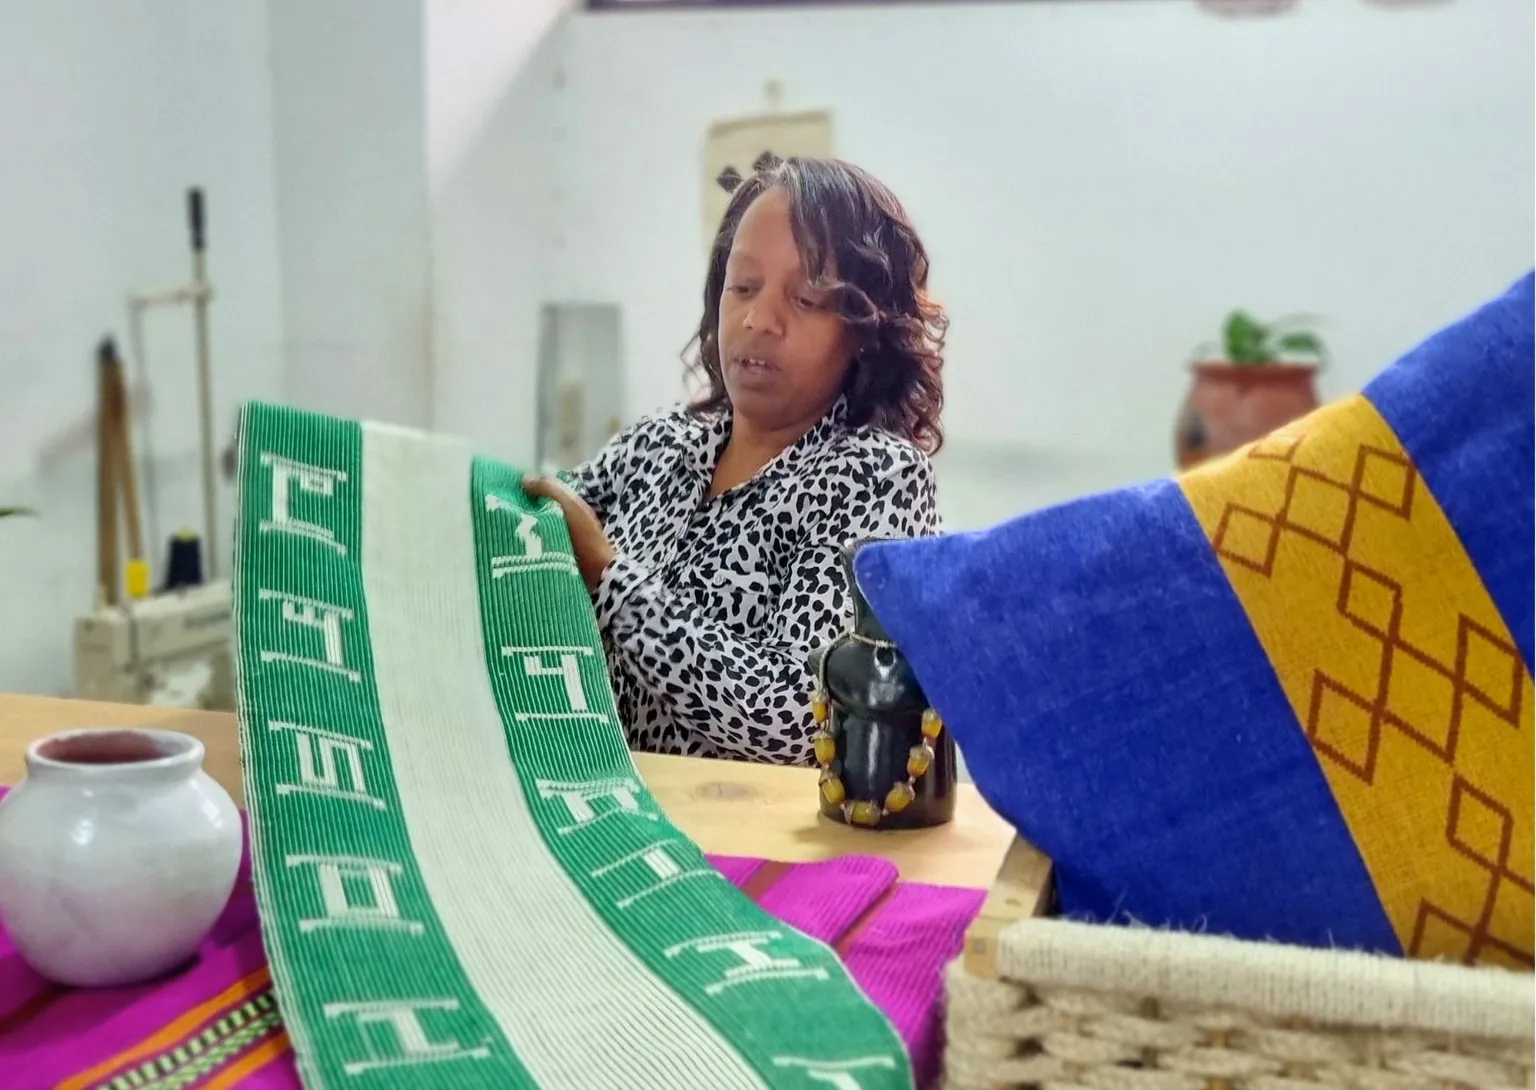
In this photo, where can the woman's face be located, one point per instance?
(784, 349)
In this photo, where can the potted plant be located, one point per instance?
(1264, 377)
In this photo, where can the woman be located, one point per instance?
(710, 535)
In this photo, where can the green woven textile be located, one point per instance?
(463, 881)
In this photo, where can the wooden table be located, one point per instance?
(727, 807)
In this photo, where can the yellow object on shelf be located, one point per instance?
(136, 578)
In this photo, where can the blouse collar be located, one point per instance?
(711, 434)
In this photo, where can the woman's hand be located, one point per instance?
(594, 552)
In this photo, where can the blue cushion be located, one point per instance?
(1133, 691)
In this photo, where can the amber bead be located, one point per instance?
(932, 724)
(825, 747)
(919, 758)
(832, 792)
(897, 798)
(864, 812)
(819, 708)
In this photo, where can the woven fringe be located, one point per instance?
(1134, 1009)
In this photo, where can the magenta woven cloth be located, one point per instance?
(895, 938)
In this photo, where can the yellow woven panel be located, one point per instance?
(1398, 667)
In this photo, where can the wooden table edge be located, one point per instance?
(965, 854)
(1021, 890)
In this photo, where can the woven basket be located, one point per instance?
(1078, 1005)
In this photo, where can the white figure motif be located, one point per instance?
(838, 1074)
(567, 667)
(579, 798)
(502, 566)
(315, 480)
(753, 963)
(323, 755)
(401, 1021)
(660, 865)
(323, 618)
(532, 554)
(528, 536)
(333, 872)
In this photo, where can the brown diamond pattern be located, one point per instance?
(1280, 446)
(1369, 599)
(1385, 479)
(1344, 726)
(1248, 537)
(1492, 669)
(1317, 507)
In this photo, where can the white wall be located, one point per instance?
(349, 148)
(1099, 183)
(493, 72)
(111, 112)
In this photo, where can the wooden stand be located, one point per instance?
(116, 490)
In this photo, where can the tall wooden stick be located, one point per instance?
(196, 221)
(117, 493)
(107, 581)
(122, 442)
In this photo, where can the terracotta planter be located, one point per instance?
(1229, 405)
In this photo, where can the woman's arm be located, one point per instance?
(599, 479)
(752, 697)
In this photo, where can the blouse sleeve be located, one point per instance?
(599, 479)
(751, 697)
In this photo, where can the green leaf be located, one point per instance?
(1301, 342)
(1288, 322)
(1246, 339)
(5, 511)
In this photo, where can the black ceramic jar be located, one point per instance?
(886, 761)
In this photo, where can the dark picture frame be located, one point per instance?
(632, 6)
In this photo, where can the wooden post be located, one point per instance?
(107, 582)
(117, 494)
(1022, 889)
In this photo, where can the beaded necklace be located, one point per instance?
(865, 812)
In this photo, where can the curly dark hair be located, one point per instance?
(847, 221)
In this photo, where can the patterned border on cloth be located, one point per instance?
(252, 1033)
(462, 879)
(894, 937)
(1397, 666)
(226, 1037)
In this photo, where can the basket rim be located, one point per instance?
(1343, 987)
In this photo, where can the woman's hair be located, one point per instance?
(846, 221)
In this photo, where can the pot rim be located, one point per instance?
(1278, 369)
(179, 755)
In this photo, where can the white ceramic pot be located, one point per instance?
(117, 854)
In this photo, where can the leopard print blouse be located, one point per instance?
(713, 604)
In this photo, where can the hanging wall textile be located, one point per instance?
(461, 878)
